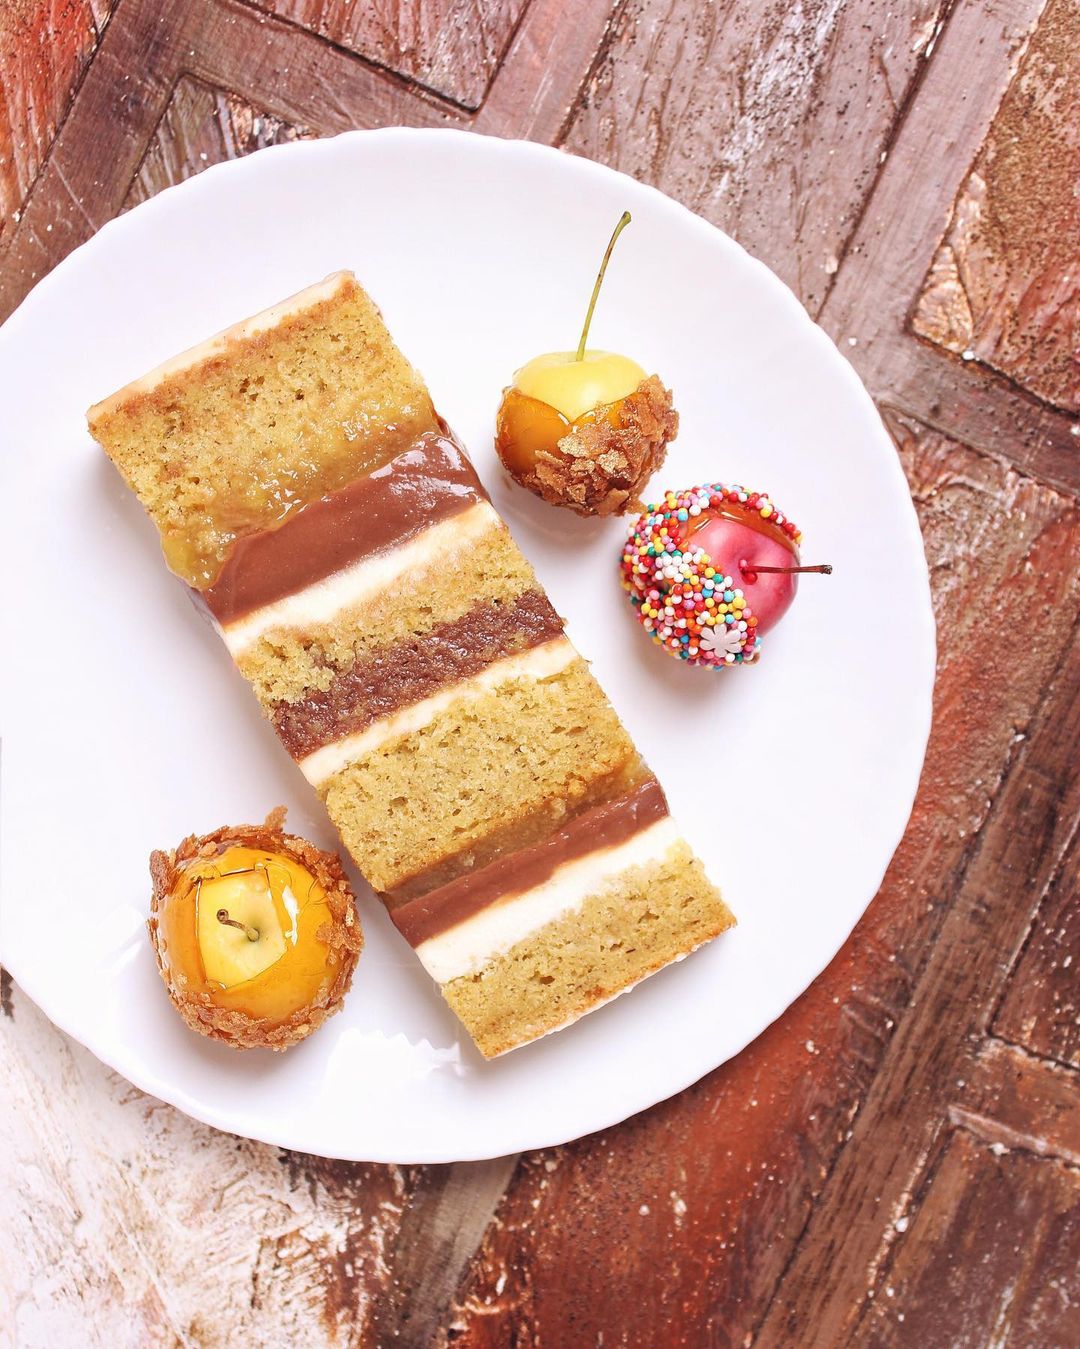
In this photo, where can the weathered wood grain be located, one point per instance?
(990, 1256)
(768, 119)
(45, 46)
(1005, 285)
(289, 74)
(889, 254)
(875, 1129)
(698, 1204)
(1041, 1006)
(453, 47)
(1009, 1097)
(134, 1225)
(271, 65)
(546, 65)
(203, 126)
(298, 77)
(97, 152)
(448, 1211)
(836, 1273)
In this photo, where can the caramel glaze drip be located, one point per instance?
(531, 826)
(428, 482)
(318, 464)
(603, 827)
(731, 510)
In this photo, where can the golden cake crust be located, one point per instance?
(306, 430)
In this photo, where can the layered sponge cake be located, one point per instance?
(410, 662)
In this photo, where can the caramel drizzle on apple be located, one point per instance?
(762, 525)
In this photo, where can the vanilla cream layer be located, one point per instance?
(539, 662)
(472, 944)
(322, 602)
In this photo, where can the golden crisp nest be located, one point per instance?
(343, 932)
(598, 469)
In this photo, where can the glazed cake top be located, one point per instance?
(230, 437)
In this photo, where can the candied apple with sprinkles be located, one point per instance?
(710, 570)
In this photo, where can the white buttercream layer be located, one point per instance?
(539, 662)
(474, 943)
(321, 602)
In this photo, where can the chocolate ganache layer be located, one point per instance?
(533, 825)
(603, 827)
(407, 672)
(429, 482)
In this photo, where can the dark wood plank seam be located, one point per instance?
(994, 1011)
(890, 408)
(992, 410)
(892, 1239)
(896, 300)
(1052, 457)
(991, 1132)
(129, 19)
(604, 45)
(163, 113)
(895, 129)
(242, 14)
(447, 1212)
(557, 81)
(929, 1160)
(165, 36)
(924, 1170)
(508, 47)
(99, 33)
(992, 1040)
(995, 378)
(982, 1091)
(1016, 1044)
(305, 34)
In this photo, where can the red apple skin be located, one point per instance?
(729, 543)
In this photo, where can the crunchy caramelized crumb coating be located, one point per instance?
(342, 933)
(599, 468)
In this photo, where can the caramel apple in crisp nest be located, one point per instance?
(255, 932)
(586, 429)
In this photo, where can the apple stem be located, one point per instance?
(624, 220)
(251, 933)
(750, 568)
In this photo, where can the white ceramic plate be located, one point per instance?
(125, 726)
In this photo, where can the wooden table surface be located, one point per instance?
(897, 1160)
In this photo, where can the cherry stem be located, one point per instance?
(624, 220)
(251, 933)
(750, 568)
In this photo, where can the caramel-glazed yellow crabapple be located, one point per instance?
(585, 429)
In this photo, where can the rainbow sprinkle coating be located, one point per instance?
(682, 602)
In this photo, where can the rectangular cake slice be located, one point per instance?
(411, 664)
